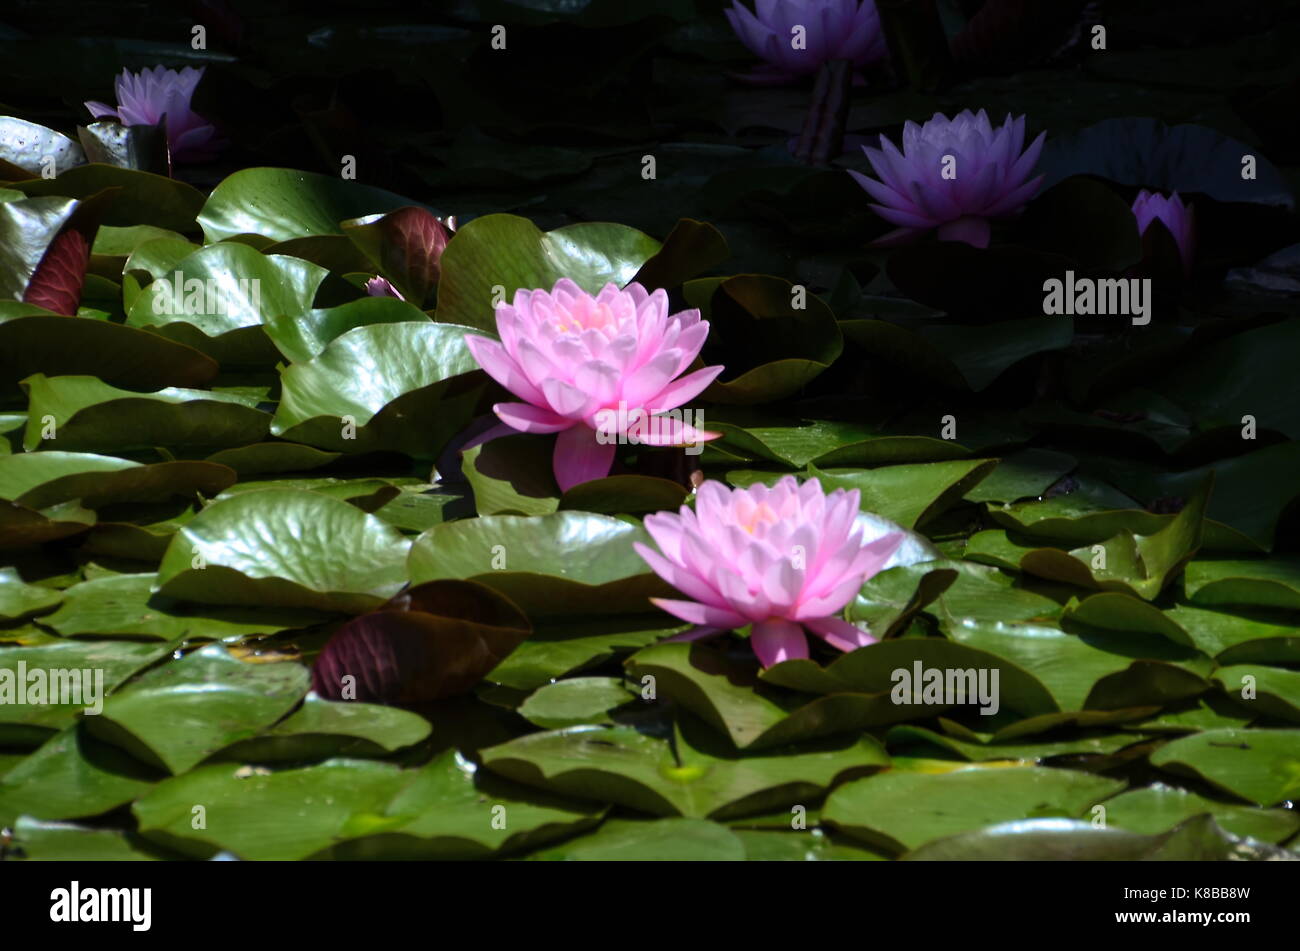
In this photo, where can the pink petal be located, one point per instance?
(527, 418)
(704, 614)
(681, 579)
(494, 360)
(776, 640)
(684, 389)
(580, 457)
(840, 633)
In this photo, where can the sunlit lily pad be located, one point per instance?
(333, 557)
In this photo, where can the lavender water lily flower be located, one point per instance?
(954, 175)
(144, 98)
(796, 37)
(1174, 215)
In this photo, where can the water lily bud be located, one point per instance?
(1174, 215)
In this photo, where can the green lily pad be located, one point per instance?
(34, 341)
(811, 846)
(889, 600)
(909, 495)
(1268, 582)
(23, 527)
(283, 203)
(41, 479)
(321, 729)
(408, 400)
(512, 475)
(980, 748)
(565, 563)
(19, 600)
(302, 336)
(362, 809)
(1101, 670)
(774, 340)
(263, 458)
(899, 811)
(29, 723)
(144, 198)
(1068, 840)
(40, 840)
(1272, 691)
(331, 555)
(125, 606)
(224, 290)
(73, 775)
(654, 840)
(87, 415)
(1261, 766)
(510, 253)
(1020, 475)
(561, 646)
(575, 701)
(1158, 808)
(619, 764)
(1114, 611)
(177, 715)
(1233, 638)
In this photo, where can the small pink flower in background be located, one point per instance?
(144, 98)
(575, 360)
(785, 559)
(988, 177)
(832, 29)
(1177, 217)
(382, 287)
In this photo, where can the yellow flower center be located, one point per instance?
(762, 513)
(585, 315)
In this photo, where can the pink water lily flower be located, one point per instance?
(1177, 217)
(786, 559)
(796, 37)
(144, 98)
(597, 371)
(953, 175)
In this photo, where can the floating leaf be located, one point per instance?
(332, 556)
(177, 715)
(510, 252)
(434, 640)
(899, 811)
(565, 563)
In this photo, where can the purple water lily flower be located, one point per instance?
(953, 175)
(796, 37)
(144, 98)
(1177, 217)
